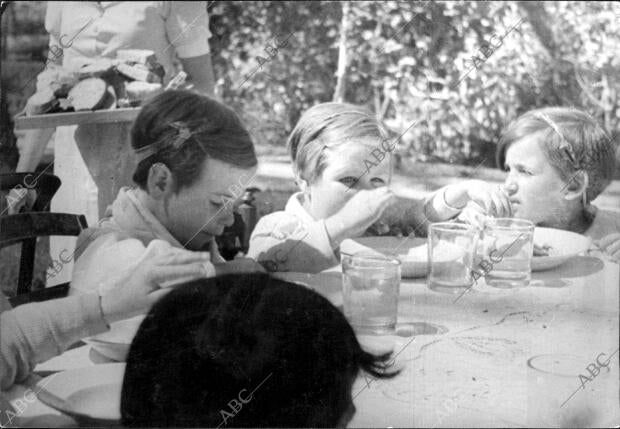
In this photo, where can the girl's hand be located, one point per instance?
(491, 197)
(361, 211)
(473, 215)
(141, 287)
(610, 244)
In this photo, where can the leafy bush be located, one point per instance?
(448, 76)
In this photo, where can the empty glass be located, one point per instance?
(451, 249)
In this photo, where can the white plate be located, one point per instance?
(91, 395)
(115, 343)
(327, 284)
(564, 245)
(412, 252)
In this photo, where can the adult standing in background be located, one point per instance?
(81, 32)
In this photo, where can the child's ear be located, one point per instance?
(301, 183)
(576, 186)
(160, 182)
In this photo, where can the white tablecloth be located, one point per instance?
(466, 364)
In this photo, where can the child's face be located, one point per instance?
(346, 174)
(535, 187)
(201, 211)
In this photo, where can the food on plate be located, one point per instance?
(88, 94)
(41, 102)
(125, 81)
(542, 250)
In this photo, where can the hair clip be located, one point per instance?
(183, 134)
(564, 145)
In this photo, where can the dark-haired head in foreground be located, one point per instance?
(243, 350)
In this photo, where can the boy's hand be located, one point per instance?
(492, 198)
(361, 211)
(610, 244)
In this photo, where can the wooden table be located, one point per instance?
(466, 364)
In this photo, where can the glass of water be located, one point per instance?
(508, 244)
(371, 285)
(451, 250)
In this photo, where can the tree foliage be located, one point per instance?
(448, 76)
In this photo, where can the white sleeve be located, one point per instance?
(282, 242)
(187, 27)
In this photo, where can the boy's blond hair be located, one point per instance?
(328, 125)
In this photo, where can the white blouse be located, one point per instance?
(86, 30)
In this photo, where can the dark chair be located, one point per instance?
(26, 227)
(44, 184)
(236, 238)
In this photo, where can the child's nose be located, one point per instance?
(228, 218)
(511, 187)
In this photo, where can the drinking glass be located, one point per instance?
(451, 250)
(371, 284)
(563, 393)
(508, 244)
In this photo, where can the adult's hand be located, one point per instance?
(141, 287)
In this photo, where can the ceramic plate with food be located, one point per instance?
(553, 247)
(412, 252)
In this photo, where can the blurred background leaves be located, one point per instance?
(409, 62)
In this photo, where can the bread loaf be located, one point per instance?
(88, 94)
(138, 72)
(140, 56)
(99, 68)
(140, 91)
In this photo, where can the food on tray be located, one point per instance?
(100, 68)
(107, 83)
(138, 72)
(41, 102)
(140, 91)
(542, 250)
(140, 56)
(88, 94)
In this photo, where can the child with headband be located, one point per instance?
(194, 160)
(559, 159)
(343, 165)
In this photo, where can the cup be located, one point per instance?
(563, 393)
(508, 246)
(451, 250)
(371, 285)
